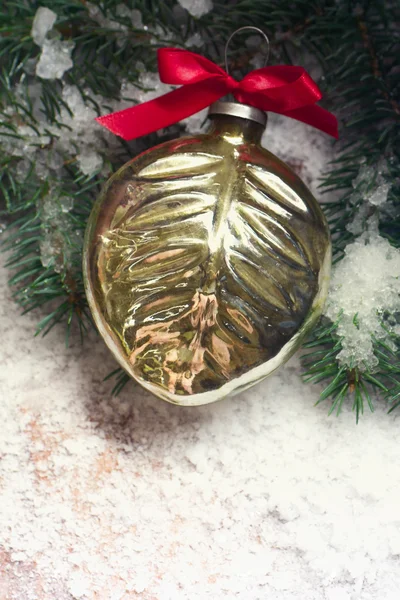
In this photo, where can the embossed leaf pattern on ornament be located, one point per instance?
(208, 268)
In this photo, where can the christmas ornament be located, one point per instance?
(206, 258)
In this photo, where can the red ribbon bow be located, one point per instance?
(286, 90)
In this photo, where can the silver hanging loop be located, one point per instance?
(262, 33)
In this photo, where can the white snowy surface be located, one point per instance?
(258, 497)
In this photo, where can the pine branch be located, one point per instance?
(321, 364)
(373, 134)
(122, 379)
(357, 47)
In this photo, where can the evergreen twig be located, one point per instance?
(356, 44)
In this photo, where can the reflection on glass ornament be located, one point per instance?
(206, 261)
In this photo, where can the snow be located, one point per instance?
(55, 59)
(370, 185)
(89, 161)
(357, 225)
(149, 87)
(365, 284)
(195, 41)
(123, 12)
(197, 123)
(58, 239)
(197, 8)
(303, 148)
(43, 22)
(379, 195)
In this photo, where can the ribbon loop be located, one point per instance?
(286, 90)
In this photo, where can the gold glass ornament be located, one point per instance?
(206, 261)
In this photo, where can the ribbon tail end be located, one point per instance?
(109, 123)
(333, 127)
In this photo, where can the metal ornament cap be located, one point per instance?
(236, 109)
